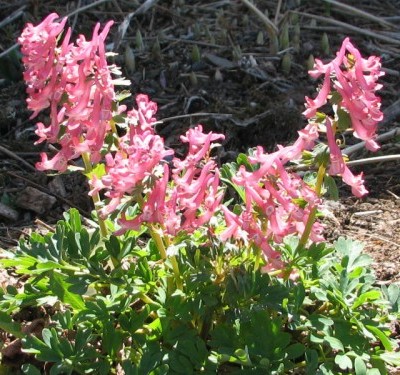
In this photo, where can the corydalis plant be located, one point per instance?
(170, 199)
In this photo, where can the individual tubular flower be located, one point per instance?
(339, 167)
(355, 182)
(337, 164)
(305, 141)
(355, 79)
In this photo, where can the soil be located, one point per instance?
(212, 62)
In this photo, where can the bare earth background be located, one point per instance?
(211, 62)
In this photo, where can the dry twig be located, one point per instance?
(16, 157)
(358, 12)
(349, 27)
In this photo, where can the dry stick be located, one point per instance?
(376, 159)
(15, 46)
(359, 12)
(14, 15)
(271, 27)
(85, 7)
(349, 27)
(277, 12)
(16, 157)
(383, 137)
(47, 191)
(123, 27)
(76, 16)
(197, 114)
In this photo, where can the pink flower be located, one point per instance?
(321, 99)
(355, 79)
(154, 209)
(234, 225)
(196, 188)
(75, 81)
(143, 117)
(188, 202)
(127, 170)
(271, 212)
(337, 164)
(355, 182)
(199, 147)
(339, 167)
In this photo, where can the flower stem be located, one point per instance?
(95, 196)
(313, 212)
(161, 248)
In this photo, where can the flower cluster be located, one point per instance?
(354, 80)
(194, 194)
(139, 152)
(277, 203)
(74, 81)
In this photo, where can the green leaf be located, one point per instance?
(348, 247)
(374, 371)
(359, 366)
(98, 171)
(392, 293)
(334, 343)
(335, 98)
(50, 338)
(61, 289)
(29, 369)
(113, 246)
(392, 358)
(331, 188)
(344, 120)
(311, 361)
(8, 325)
(381, 336)
(372, 295)
(344, 362)
(294, 351)
(243, 159)
(34, 345)
(112, 339)
(227, 172)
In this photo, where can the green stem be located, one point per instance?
(161, 248)
(95, 196)
(146, 299)
(311, 217)
(159, 241)
(258, 259)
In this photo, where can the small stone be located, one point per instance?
(35, 200)
(8, 213)
(56, 186)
